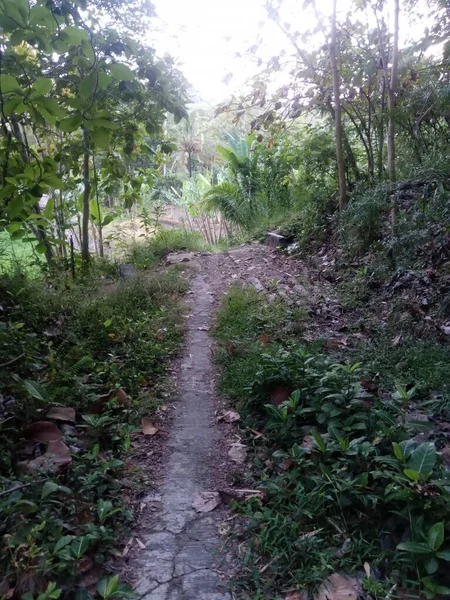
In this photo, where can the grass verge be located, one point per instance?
(353, 472)
(80, 363)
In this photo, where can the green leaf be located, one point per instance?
(51, 106)
(88, 86)
(48, 210)
(121, 72)
(74, 35)
(414, 547)
(79, 546)
(432, 585)
(398, 451)
(431, 565)
(10, 106)
(40, 248)
(436, 535)
(82, 594)
(43, 85)
(423, 459)
(54, 182)
(8, 83)
(413, 475)
(444, 555)
(100, 137)
(88, 50)
(63, 542)
(36, 390)
(124, 591)
(49, 488)
(71, 123)
(107, 586)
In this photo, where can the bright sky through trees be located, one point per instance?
(211, 38)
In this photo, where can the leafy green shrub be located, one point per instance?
(345, 477)
(360, 223)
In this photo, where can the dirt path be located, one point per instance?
(183, 558)
(180, 557)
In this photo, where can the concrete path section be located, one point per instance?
(181, 560)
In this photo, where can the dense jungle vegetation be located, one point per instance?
(340, 143)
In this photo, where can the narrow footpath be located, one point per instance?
(180, 559)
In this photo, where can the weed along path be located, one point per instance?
(181, 558)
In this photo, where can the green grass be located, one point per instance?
(149, 251)
(341, 468)
(17, 255)
(73, 342)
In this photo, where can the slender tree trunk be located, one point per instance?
(381, 130)
(337, 112)
(86, 199)
(392, 90)
(100, 226)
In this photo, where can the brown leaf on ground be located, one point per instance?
(297, 595)
(122, 397)
(230, 416)
(257, 434)
(148, 428)
(237, 495)
(62, 413)
(55, 458)
(286, 464)
(280, 394)
(206, 502)
(238, 453)
(98, 406)
(338, 587)
(43, 431)
(396, 340)
(337, 343)
(264, 339)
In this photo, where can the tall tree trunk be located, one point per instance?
(392, 90)
(100, 226)
(86, 199)
(337, 112)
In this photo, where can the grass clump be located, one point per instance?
(156, 247)
(100, 347)
(349, 475)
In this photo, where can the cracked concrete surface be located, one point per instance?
(181, 559)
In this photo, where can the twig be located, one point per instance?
(18, 487)
(13, 360)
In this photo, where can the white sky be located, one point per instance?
(205, 37)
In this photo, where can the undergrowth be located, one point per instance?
(152, 248)
(98, 346)
(353, 472)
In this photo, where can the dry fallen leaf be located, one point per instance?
(338, 587)
(279, 395)
(396, 340)
(337, 342)
(229, 417)
(122, 397)
(264, 339)
(206, 502)
(238, 453)
(297, 595)
(61, 413)
(43, 431)
(148, 428)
